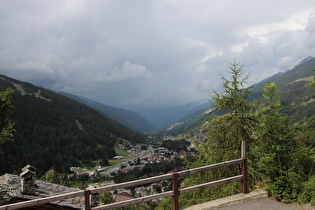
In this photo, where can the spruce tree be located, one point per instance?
(234, 122)
(274, 146)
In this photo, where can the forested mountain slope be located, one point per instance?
(129, 119)
(55, 131)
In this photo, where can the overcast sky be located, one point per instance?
(129, 53)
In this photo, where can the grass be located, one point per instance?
(38, 95)
(20, 88)
(80, 126)
(121, 152)
(307, 79)
(310, 101)
(114, 162)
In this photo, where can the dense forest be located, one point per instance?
(53, 131)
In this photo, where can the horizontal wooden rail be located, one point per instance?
(137, 183)
(135, 201)
(209, 167)
(164, 177)
(43, 200)
(169, 193)
(132, 183)
(211, 184)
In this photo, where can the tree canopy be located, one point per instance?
(6, 124)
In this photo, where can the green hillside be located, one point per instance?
(55, 131)
(297, 98)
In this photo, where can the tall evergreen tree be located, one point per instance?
(235, 121)
(225, 132)
(274, 146)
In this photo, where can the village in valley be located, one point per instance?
(131, 156)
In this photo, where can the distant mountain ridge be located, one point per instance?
(127, 118)
(162, 117)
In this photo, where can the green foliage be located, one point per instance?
(176, 145)
(6, 124)
(274, 143)
(106, 198)
(283, 156)
(282, 187)
(236, 122)
(166, 203)
(308, 192)
(312, 83)
(272, 151)
(142, 206)
(144, 147)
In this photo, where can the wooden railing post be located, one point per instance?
(245, 176)
(175, 191)
(244, 183)
(87, 202)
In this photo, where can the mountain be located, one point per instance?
(162, 117)
(297, 97)
(306, 59)
(55, 131)
(127, 118)
(189, 124)
(268, 79)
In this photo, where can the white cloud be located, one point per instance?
(73, 8)
(128, 71)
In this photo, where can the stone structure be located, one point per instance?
(28, 178)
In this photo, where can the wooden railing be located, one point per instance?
(175, 192)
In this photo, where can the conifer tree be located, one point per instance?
(274, 146)
(234, 122)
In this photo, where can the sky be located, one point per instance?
(137, 53)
